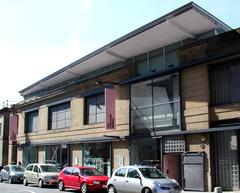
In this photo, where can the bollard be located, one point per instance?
(217, 190)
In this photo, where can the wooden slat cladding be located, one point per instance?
(224, 112)
(195, 97)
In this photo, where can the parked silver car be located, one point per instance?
(12, 173)
(41, 174)
(141, 179)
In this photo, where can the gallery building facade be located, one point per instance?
(167, 91)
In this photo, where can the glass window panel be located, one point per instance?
(54, 116)
(171, 55)
(143, 150)
(100, 108)
(92, 109)
(61, 124)
(92, 119)
(67, 114)
(100, 117)
(165, 116)
(163, 112)
(156, 60)
(54, 125)
(141, 94)
(67, 123)
(142, 118)
(95, 109)
(100, 99)
(141, 64)
(60, 114)
(32, 121)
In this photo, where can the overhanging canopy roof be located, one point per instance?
(185, 22)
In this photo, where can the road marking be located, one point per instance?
(27, 191)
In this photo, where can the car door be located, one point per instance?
(28, 173)
(67, 176)
(119, 178)
(5, 172)
(132, 183)
(35, 174)
(75, 178)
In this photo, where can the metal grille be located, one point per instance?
(226, 160)
(220, 84)
(174, 144)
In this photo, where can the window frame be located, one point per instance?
(217, 87)
(96, 114)
(54, 116)
(31, 116)
(173, 103)
(125, 170)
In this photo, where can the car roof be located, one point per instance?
(137, 166)
(38, 164)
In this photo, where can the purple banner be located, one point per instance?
(110, 108)
(13, 128)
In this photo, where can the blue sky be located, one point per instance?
(38, 37)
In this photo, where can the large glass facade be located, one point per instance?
(98, 155)
(143, 150)
(30, 155)
(155, 105)
(58, 155)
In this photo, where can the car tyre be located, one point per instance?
(40, 183)
(111, 189)
(147, 190)
(61, 185)
(25, 183)
(1, 179)
(84, 188)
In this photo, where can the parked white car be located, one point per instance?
(41, 174)
(141, 179)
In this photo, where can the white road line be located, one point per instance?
(26, 191)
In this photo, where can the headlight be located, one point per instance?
(96, 182)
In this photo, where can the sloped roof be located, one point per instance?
(185, 22)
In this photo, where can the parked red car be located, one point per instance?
(82, 178)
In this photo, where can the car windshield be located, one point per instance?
(47, 168)
(17, 168)
(151, 173)
(90, 172)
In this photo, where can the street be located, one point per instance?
(19, 188)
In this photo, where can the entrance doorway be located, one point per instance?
(172, 166)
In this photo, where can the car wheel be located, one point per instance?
(1, 179)
(111, 189)
(25, 183)
(40, 183)
(84, 187)
(10, 180)
(147, 190)
(61, 185)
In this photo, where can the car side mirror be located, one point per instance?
(138, 177)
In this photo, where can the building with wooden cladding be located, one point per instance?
(165, 93)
